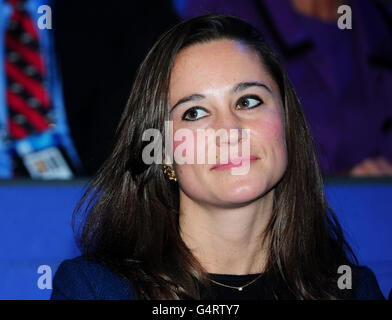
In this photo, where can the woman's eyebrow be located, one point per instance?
(245, 85)
(238, 87)
(192, 97)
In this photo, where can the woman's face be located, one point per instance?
(223, 85)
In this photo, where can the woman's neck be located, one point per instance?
(325, 10)
(227, 240)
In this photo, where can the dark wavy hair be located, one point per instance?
(128, 219)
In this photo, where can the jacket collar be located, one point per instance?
(286, 22)
(373, 23)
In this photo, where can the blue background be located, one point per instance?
(36, 228)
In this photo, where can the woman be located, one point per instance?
(196, 230)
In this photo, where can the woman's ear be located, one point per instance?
(167, 157)
(167, 166)
(168, 170)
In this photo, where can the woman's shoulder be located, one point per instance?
(84, 279)
(366, 285)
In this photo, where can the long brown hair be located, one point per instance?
(129, 216)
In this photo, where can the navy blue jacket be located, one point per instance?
(81, 279)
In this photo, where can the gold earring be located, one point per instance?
(169, 171)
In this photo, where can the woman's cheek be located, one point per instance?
(272, 128)
(184, 146)
(269, 139)
(185, 151)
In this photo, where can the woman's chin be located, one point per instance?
(241, 194)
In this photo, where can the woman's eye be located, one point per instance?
(248, 102)
(194, 114)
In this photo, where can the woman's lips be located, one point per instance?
(234, 163)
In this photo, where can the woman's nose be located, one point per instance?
(229, 131)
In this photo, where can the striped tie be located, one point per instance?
(28, 101)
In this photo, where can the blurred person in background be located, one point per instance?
(63, 89)
(35, 139)
(343, 76)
